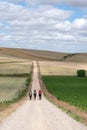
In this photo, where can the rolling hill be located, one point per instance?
(43, 55)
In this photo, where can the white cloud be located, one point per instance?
(80, 23)
(63, 26)
(9, 11)
(41, 27)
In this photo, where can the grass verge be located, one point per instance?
(19, 94)
(74, 112)
(73, 115)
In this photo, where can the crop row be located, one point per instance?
(70, 89)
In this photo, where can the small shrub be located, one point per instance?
(27, 81)
(81, 73)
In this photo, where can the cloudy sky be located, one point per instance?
(54, 25)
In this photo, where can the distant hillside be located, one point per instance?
(43, 55)
(76, 57)
(31, 54)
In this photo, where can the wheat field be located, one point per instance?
(60, 68)
(17, 68)
(9, 86)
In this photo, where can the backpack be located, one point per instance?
(30, 93)
(40, 92)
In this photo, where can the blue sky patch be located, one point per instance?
(77, 12)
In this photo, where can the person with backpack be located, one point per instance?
(35, 94)
(40, 94)
(30, 94)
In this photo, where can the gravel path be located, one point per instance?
(39, 115)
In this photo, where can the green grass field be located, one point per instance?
(69, 89)
(9, 87)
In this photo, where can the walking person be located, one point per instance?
(40, 94)
(35, 94)
(30, 94)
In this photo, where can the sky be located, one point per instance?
(53, 25)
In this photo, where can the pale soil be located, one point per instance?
(39, 115)
(9, 109)
(60, 68)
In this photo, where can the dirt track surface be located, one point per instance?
(39, 115)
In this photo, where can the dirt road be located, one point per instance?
(39, 115)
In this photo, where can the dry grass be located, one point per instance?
(11, 68)
(60, 68)
(79, 58)
(9, 86)
(6, 59)
(43, 55)
(31, 54)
